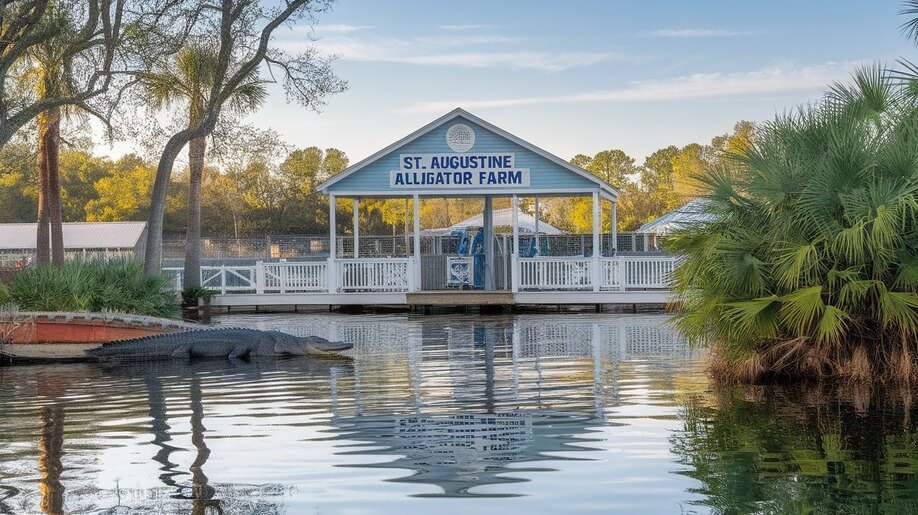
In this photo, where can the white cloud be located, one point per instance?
(542, 61)
(463, 51)
(467, 27)
(698, 33)
(702, 85)
(340, 28)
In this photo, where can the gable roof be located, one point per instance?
(692, 212)
(77, 235)
(604, 187)
(504, 218)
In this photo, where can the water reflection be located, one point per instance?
(538, 413)
(50, 448)
(802, 450)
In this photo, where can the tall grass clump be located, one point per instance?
(115, 285)
(810, 267)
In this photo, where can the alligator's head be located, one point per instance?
(289, 344)
(311, 345)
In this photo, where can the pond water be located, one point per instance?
(543, 413)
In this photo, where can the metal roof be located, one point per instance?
(504, 218)
(692, 212)
(77, 235)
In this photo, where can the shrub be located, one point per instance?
(5, 297)
(191, 294)
(116, 285)
(810, 268)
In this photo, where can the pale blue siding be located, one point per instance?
(544, 174)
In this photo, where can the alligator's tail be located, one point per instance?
(144, 348)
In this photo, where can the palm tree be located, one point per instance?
(811, 266)
(189, 80)
(47, 70)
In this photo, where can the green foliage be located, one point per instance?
(5, 296)
(800, 449)
(667, 179)
(116, 285)
(815, 243)
(191, 294)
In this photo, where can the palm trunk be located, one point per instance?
(153, 257)
(153, 260)
(196, 148)
(55, 204)
(43, 242)
(49, 202)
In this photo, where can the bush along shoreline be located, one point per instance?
(113, 285)
(809, 268)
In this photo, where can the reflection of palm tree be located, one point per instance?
(50, 449)
(159, 425)
(203, 493)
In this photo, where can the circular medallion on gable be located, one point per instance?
(460, 137)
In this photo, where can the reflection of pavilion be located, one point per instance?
(487, 393)
(461, 451)
(454, 439)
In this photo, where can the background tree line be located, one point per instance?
(256, 184)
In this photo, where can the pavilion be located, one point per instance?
(461, 155)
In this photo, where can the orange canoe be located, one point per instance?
(68, 335)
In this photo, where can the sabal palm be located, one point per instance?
(47, 70)
(811, 267)
(189, 80)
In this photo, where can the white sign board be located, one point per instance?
(458, 171)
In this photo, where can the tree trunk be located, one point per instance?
(43, 242)
(52, 141)
(196, 148)
(49, 201)
(154, 250)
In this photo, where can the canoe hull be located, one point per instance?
(56, 336)
(46, 351)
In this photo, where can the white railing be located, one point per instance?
(400, 275)
(614, 274)
(299, 277)
(222, 279)
(555, 273)
(280, 277)
(648, 271)
(610, 274)
(375, 274)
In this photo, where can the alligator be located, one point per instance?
(232, 344)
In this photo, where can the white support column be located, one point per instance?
(332, 243)
(596, 241)
(417, 243)
(515, 254)
(488, 243)
(356, 228)
(537, 216)
(259, 277)
(615, 226)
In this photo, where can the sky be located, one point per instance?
(577, 76)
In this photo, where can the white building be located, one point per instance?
(82, 240)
